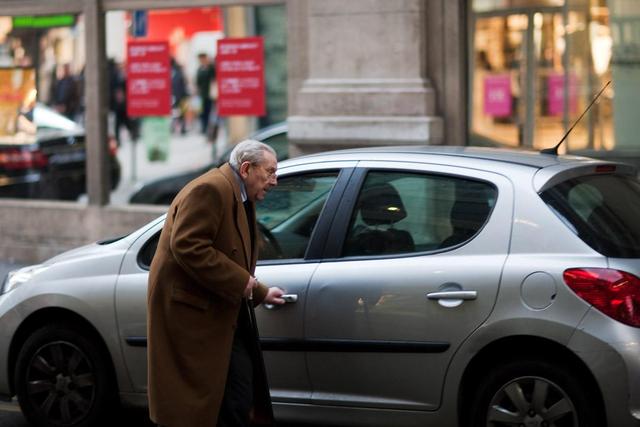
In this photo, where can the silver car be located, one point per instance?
(426, 287)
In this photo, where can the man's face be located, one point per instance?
(259, 177)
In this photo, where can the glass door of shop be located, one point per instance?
(520, 73)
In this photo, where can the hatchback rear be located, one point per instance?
(570, 301)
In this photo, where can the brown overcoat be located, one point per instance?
(196, 283)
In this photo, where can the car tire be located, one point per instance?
(533, 392)
(63, 378)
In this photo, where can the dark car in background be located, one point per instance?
(49, 163)
(161, 191)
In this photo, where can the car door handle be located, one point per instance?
(463, 295)
(451, 299)
(288, 299)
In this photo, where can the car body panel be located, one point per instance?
(65, 285)
(382, 307)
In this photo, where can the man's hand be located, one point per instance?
(274, 296)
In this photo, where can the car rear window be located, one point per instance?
(602, 210)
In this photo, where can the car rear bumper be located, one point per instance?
(611, 351)
(20, 186)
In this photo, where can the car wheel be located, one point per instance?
(63, 378)
(532, 393)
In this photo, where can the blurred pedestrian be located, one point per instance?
(118, 102)
(179, 97)
(205, 77)
(204, 360)
(65, 96)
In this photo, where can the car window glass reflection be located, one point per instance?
(406, 212)
(287, 216)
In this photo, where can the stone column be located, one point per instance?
(98, 176)
(361, 78)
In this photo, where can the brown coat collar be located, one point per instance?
(241, 220)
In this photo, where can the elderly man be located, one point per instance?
(205, 368)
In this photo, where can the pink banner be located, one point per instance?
(497, 95)
(555, 93)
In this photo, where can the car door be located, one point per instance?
(293, 220)
(413, 267)
(131, 305)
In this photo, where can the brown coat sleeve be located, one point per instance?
(196, 223)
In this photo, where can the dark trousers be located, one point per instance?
(132, 125)
(238, 393)
(205, 114)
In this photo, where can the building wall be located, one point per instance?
(33, 231)
(358, 75)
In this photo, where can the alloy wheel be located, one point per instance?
(531, 402)
(61, 383)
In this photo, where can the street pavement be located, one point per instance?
(10, 416)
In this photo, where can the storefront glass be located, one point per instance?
(536, 65)
(160, 151)
(42, 142)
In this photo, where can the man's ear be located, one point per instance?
(244, 169)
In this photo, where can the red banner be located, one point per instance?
(148, 78)
(240, 76)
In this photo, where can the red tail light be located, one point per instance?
(18, 159)
(113, 146)
(615, 293)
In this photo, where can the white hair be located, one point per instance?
(249, 150)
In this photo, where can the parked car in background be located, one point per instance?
(161, 191)
(432, 286)
(50, 163)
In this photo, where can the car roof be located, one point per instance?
(505, 155)
(548, 168)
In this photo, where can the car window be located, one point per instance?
(288, 215)
(408, 212)
(602, 210)
(145, 256)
